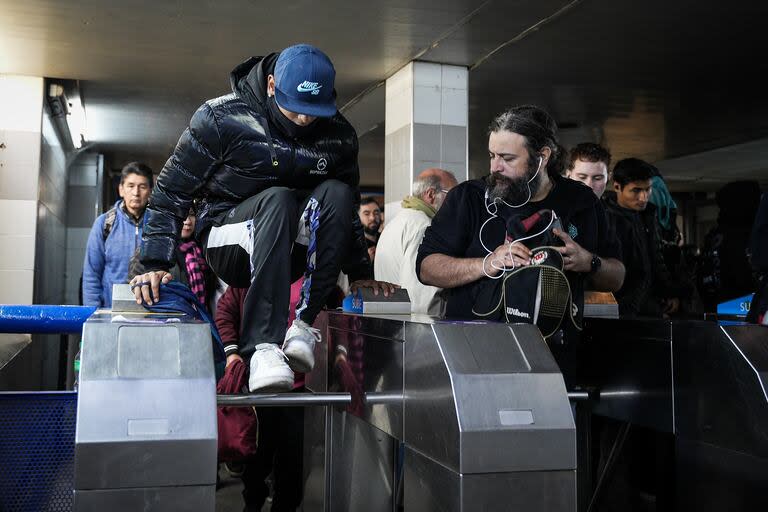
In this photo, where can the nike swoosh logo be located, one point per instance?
(302, 88)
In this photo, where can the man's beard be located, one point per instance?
(371, 231)
(514, 191)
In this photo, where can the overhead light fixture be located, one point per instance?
(77, 122)
(70, 110)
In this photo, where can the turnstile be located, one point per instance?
(146, 416)
(441, 416)
(703, 385)
(451, 416)
(426, 414)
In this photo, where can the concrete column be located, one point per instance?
(21, 104)
(426, 126)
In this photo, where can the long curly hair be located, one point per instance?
(539, 130)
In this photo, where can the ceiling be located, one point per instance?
(674, 82)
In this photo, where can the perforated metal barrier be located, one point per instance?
(37, 451)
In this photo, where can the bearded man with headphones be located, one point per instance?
(504, 245)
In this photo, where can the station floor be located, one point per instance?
(229, 496)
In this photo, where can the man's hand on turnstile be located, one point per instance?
(147, 283)
(386, 288)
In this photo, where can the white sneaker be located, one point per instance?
(299, 346)
(269, 371)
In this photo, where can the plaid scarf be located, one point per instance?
(196, 267)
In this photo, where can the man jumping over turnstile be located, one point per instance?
(273, 170)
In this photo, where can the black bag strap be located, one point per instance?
(109, 221)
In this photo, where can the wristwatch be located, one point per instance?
(594, 265)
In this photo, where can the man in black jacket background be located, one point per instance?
(274, 168)
(648, 289)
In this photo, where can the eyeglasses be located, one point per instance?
(444, 191)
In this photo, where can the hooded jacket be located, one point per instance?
(232, 151)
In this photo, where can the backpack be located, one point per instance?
(538, 294)
(109, 221)
(177, 297)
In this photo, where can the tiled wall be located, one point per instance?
(44, 213)
(18, 222)
(21, 104)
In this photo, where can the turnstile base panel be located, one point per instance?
(712, 479)
(431, 486)
(151, 499)
(362, 462)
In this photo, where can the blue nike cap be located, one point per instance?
(304, 81)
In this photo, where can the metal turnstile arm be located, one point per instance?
(304, 399)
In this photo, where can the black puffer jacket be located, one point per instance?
(230, 152)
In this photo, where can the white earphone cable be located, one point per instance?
(495, 263)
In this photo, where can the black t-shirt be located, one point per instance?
(456, 227)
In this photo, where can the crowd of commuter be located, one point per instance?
(262, 193)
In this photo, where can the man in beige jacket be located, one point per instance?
(399, 241)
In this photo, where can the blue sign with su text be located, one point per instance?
(736, 307)
(353, 303)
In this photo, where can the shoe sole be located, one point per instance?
(299, 360)
(270, 385)
(300, 366)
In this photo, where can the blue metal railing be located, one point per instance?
(43, 319)
(37, 429)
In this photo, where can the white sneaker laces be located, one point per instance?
(316, 334)
(312, 330)
(272, 353)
